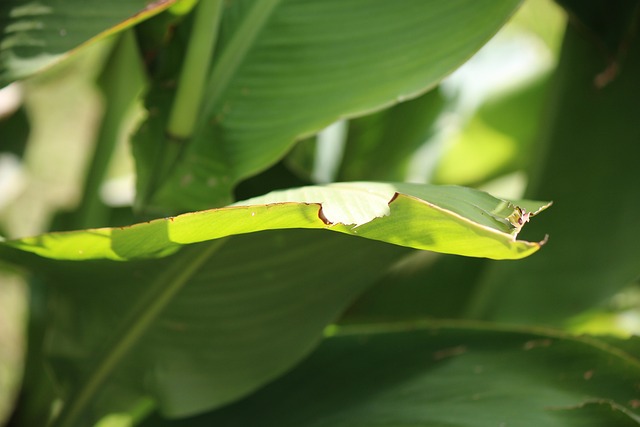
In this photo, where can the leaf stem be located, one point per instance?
(186, 105)
(161, 292)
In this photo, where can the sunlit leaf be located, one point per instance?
(442, 219)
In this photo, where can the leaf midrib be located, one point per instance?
(232, 56)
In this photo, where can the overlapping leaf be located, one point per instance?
(463, 375)
(286, 69)
(442, 219)
(202, 327)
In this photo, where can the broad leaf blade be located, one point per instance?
(34, 36)
(442, 219)
(244, 316)
(446, 376)
(290, 70)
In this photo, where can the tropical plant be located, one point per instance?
(297, 250)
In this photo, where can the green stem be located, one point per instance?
(186, 106)
(161, 293)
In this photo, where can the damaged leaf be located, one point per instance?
(445, 219)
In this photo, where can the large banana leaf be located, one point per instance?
(35, 35)
(286, 69)
(448, 375)
(198, 329)
(443, 219)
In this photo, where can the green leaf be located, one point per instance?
(587, 165)
(446, 375)
(442, 219)
(287, 69)
(202, 327)
(34, 36)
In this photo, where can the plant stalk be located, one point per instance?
(234, 53)
(186, 105)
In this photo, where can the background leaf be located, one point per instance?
(446, 375)
(34, 36)
(421, 285)
(283, 74)
(246, 313)
(586, 165)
